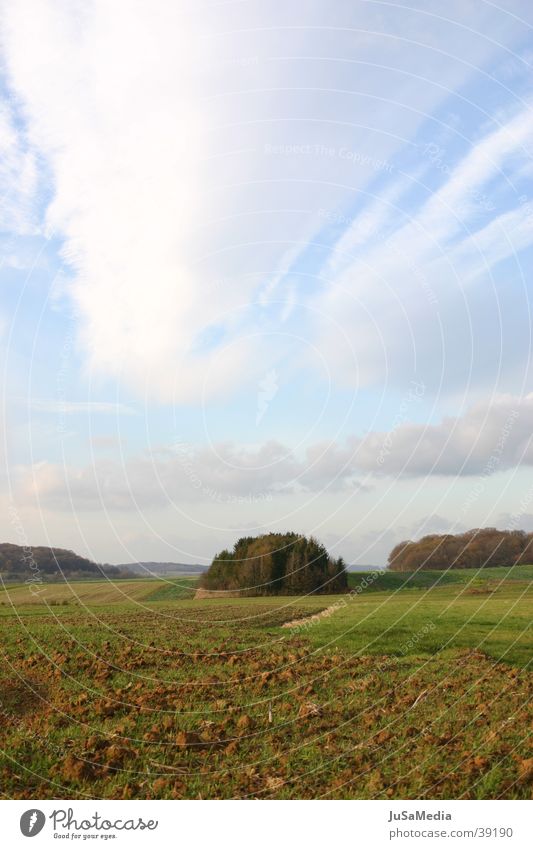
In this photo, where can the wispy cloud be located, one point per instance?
(404, 295)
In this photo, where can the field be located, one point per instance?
(95, 592)
(409, 687)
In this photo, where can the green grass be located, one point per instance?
(124, 591)
(78, 592)
(378, 581)
(174, 589)
(497, 622)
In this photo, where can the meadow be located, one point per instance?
(410, 686)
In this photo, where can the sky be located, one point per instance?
(264, 267)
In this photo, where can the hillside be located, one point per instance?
(42, 563)
(150, 567)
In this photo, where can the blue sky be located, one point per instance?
(264, 266)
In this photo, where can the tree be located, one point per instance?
(276, 564)
(474, 549)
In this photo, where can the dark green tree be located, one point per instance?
(276, 564)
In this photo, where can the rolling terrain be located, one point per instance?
(404, 689)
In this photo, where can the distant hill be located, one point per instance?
(42, 563)
(155, 568)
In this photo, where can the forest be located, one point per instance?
(475, 549)
(20, 562)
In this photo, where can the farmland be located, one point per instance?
(93, 593)
(409, 687)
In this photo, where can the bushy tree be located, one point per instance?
(276, 564)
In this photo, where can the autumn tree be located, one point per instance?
(474, 549)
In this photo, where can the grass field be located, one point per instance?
(386, 580)
(95, 592)
(406, 689)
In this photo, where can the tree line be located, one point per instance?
(474, 549)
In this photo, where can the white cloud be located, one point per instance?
(224, 473)
(153, 121)
(489, 438)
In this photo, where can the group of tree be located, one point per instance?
(276, 564)
(18, 563)
(475, 549)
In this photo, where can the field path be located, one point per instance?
(307, 620)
